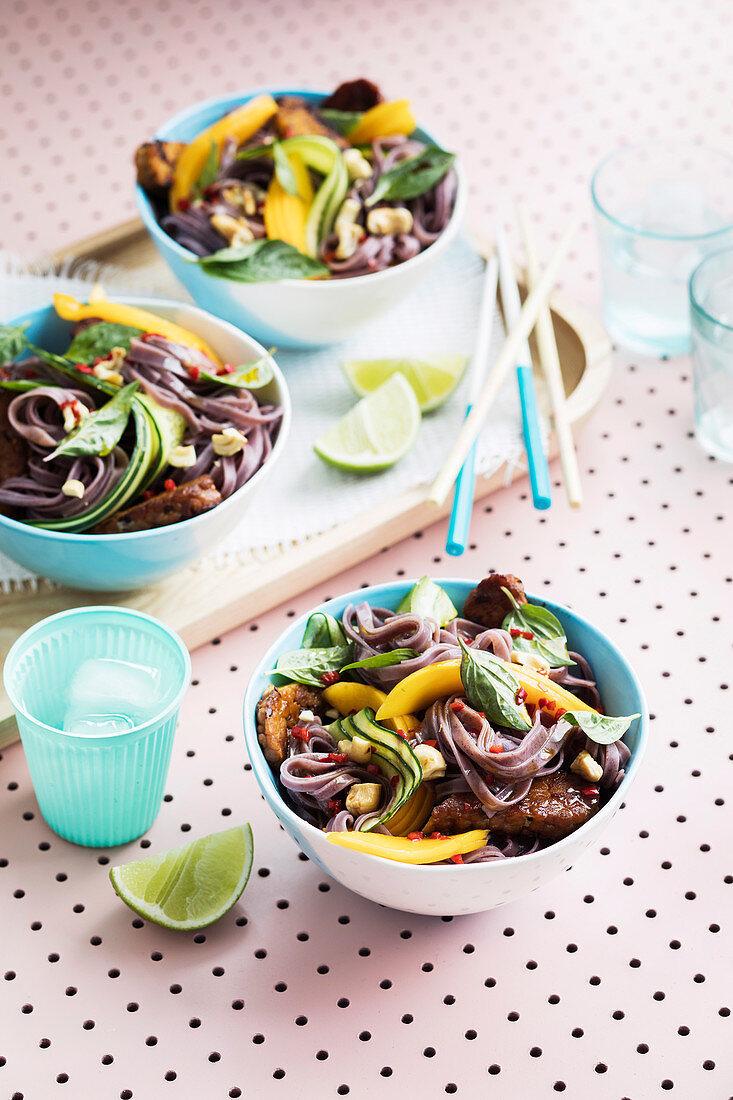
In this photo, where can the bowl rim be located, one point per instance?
(260, 765)
(115, 610)
(278, 448)
(310, 286)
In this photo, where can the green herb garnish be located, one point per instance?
(100, 431)
(262, 261)
(547, 635)
(96, 341)
(12, 341)
(307, 666)
(600, 728)
(209, 172)
(383, 660)
(342, 121)
(491, 687)
(412, 177)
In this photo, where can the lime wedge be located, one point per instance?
(191, 886)
(433, 379)
(376, 433)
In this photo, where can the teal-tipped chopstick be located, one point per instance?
(539, 472)
(460, 517)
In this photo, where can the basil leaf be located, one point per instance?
(209, 172)
(100, 431)
(256, 151)
(343, 121)
(383, 660)
(251, 376)
(600, 728)
(96, 341)
(307, 666)
(262, 261)
(412, 177)
(428, 600)
(323, 630)
(12, 341)
(548, 637)
(491, 687)
(284, 170)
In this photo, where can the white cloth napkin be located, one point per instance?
(305, 497)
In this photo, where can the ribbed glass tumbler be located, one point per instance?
(96, 693)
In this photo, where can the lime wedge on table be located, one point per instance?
(376, 432)
(433, 379)
(191, 886)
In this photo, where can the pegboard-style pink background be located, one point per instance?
(612, 982)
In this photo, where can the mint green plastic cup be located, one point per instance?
(98, 788)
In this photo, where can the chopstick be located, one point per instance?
(498, 372)
(539, 472)
(550, 362)
(460, 519)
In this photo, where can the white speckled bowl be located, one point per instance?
(471, 888)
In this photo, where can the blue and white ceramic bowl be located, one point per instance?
(291, 312)
(471, 888)
(132, 560)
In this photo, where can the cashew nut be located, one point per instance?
(388, 219)
(73, 488)
(182, 456)
(432, 762)
(585, 766)
(358, 749)
(357, 165)
(228, 441)
(234, 230)
(363, 798)
(530, 660)
(347, 230)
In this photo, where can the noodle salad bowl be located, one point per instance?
(290, 312)
(448, 888)
(122, 555)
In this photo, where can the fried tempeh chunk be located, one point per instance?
(155, 161)
(294, 118)
(278, 711)
(185, 501)
(555, 805)
(354, 95)
(487, 604)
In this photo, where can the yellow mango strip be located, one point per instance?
(239, 124)
(73, 310)
(412, 816)
(384, 120)
(285, 214)
(410, 851)
(422, 688)
(348, 698)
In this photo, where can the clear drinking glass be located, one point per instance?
(660, 209)
(711, 311)
(96, 693)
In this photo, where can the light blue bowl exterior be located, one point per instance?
(618, 684)
(214, 294)
(108, 562)
(95, 791)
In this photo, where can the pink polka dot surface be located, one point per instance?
(613, 981)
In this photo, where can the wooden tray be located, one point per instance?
(220, 598)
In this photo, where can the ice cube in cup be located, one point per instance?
(107, 695)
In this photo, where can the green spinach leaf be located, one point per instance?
(491, 687)
(208, 172)
(412, 177)
(342, 121)
(600, 728)
(307, 666)
(262, 261)
(383, 660)
(323, 630)
(12, 341)
(548, 637)
(96, 341)
(100, 431)
(429, 600)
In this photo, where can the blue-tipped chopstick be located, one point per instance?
(539, 473)
(460, 517)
